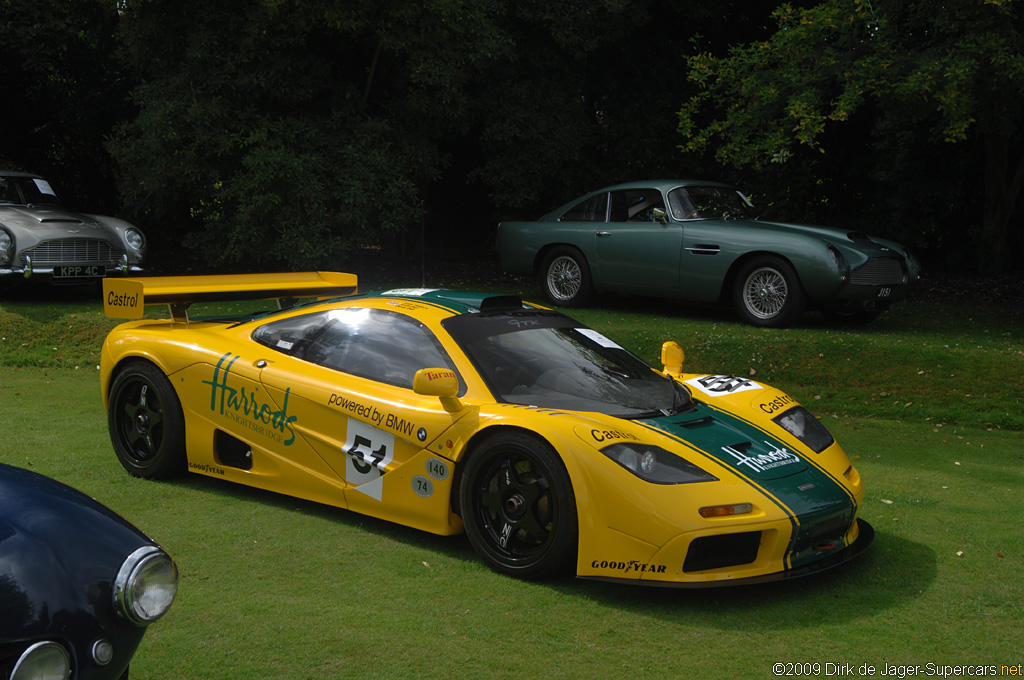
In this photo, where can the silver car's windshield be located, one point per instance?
(26, 190)
(709, 202)
(544, 359)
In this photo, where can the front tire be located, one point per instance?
(518, 506)
(566, 277)
(768, 293)
(147, 427)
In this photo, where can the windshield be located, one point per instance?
(542, 358)
(710, 202)
(26, 190)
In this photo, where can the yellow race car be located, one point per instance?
(553, 447)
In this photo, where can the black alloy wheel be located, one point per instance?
(518, 505)
(147, 427)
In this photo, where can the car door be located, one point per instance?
(714, 236)
(348, 374)
(635, 250)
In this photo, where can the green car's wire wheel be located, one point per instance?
(768, 293)
(566, 277)
(518, 505)
(146, 424)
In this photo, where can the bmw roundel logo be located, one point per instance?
(421, 434)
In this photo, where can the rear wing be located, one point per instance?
(125, 298)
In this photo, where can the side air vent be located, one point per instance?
(231, 452)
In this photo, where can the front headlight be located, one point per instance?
(146, 585)
(656, 465)
(800, 423)
(43, 661)
(6, 246)
(133, 237)
(838, 261)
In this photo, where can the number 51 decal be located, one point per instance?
(367, 453)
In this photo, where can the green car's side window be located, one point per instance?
(679, 202)
(594, 209)
(635, 205)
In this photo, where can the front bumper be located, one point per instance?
(865, 536)
(71, 272)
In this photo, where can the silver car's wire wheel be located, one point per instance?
(765, 293)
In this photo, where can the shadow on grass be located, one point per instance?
(453, 547)
(20, 290)
(892, 572)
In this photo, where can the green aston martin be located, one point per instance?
(702, 242)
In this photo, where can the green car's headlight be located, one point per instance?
(800, 423)
(146, 585)
(656, 465)
(838, 261)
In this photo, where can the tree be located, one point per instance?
(63, 93)
(265, 134)
(947, 73)
(274, 132)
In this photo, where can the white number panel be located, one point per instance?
(367, 454)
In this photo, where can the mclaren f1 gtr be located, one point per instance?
(550, 445)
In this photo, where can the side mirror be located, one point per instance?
(439, 382)
(660, 216)
(672, 357)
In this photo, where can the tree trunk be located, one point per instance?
(1002, 187)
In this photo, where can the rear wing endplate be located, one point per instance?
(125, 298)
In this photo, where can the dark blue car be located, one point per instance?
(78, 583)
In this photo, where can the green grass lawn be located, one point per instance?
(927, 402)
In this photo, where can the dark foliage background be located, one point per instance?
(272, 134)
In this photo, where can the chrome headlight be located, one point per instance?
(43, 661)
(656, 465)
(6, 245)
(133, 237)
(838, 261)
(146, 585)
(800, 423)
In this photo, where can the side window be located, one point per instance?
(370, 343)
(682, 208)
(594, 209)
(635, 205)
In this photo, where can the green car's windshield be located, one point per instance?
(709, 202)
(544, 359)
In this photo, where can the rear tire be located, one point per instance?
(147, 427)
(566, 277)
